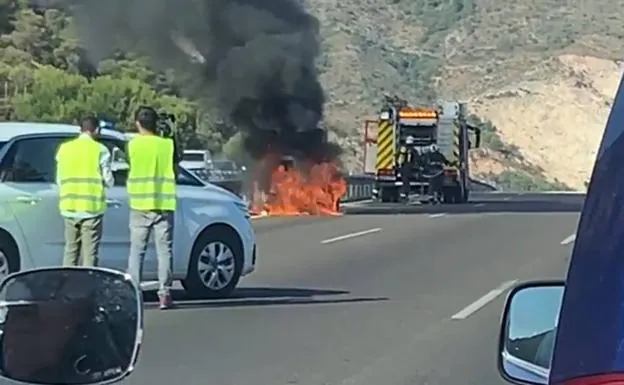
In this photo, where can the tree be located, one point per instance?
(57, 96)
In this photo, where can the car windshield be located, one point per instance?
(193, 157)
(115, 146)
(225, 165)
(202, 173)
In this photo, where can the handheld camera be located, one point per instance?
(166, 125)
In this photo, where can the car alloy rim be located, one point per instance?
(215, 265)
(4, 265)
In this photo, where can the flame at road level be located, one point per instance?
(294, 192)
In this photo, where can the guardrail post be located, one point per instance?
(359, 187)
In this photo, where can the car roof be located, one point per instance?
(591, 326)
(9, 130)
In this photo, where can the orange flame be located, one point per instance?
(316, 191)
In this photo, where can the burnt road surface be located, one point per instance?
(390, 295)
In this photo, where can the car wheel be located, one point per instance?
(9, 256)
(215, 265)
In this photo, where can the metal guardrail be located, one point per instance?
(482, 186)
(359, 187)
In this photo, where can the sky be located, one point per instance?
(534, 310)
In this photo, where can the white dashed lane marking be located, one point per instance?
(481, 302)
(570, 239)
(351, 235)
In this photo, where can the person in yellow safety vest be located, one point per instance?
(83, 171)
(152, 194)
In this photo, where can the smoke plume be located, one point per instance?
(254, 58)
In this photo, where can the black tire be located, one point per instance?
(453, 194)
(396, 195)
(466, 196)
(458, 195)
(193, 283)
(447, 195)
(9, 248)
(386, 195)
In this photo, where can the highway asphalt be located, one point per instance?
(384, 295)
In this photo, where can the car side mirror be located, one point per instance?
(120, 176)
(72, 325)
(528, 331)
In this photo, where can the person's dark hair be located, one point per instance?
(90, 124)
(147, 118)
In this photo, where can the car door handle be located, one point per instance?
(113, 203)
(29, 199)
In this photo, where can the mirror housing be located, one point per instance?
(74, 325)
(528, 330)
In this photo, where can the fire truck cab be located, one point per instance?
(443, 125)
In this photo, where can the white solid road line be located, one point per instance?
(569, 239)
(481, 302)
(351, 235)
(437, 215)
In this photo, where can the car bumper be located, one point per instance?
(251, 250)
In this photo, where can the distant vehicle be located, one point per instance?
(443, 125)
(201, 172)
(227, 174)
(222, 170)
(195, 159)
(31, 228)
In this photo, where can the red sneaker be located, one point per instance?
(165, 302)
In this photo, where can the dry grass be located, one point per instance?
(543, 71)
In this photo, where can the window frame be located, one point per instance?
(188, 176)
(9, 149)
(10, 146)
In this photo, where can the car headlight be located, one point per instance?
(244, 208)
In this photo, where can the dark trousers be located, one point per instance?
(436, 184)
(406, 171)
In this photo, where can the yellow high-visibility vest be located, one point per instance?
(404, 156)
(80, 178)
(151, 180)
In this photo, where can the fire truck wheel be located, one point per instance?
(389, 195)
(215, 265)
(452, 194)
(458, 196)
(466, 196)
(447, 195)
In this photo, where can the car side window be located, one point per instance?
(119, 159)
(31, 160)
(184, 178)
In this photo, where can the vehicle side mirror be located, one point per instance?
(69, 326)
(121, 176)
(528, 331)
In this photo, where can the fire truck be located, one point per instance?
(443, 124)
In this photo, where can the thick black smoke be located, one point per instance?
(254, 58)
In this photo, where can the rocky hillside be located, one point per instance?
(544, 72)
